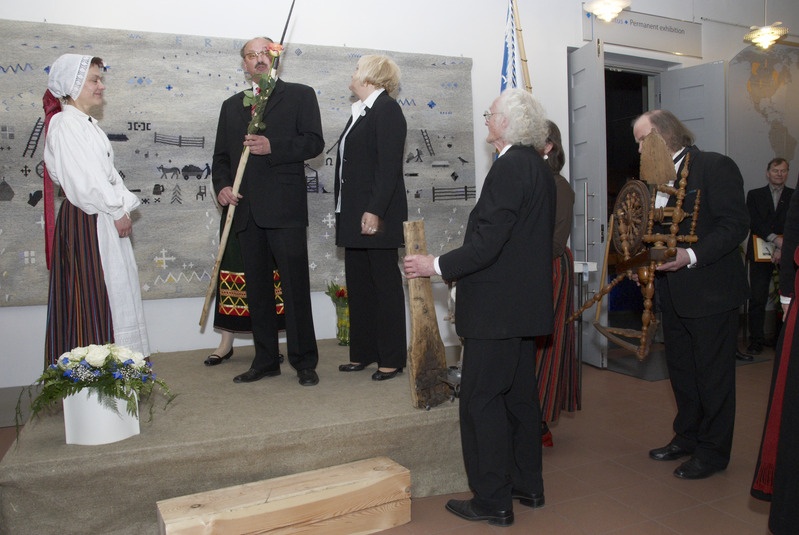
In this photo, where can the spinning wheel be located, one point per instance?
(631, 210)
(631, 228)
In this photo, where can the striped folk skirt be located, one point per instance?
(78, 313)
(556, 359)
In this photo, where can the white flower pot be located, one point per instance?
(88, 422)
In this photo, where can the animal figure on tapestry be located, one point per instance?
(173, 171)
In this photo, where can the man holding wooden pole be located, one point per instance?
(271, 219)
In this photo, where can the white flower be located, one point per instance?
(123, 354)
(96, 355)
(78, 353)
(66, 360)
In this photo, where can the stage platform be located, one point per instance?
(217, 434)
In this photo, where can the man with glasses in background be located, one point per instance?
(767, 209)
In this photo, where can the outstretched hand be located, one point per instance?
(419, 266)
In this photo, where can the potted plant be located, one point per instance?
(341, 301)
(107, 380)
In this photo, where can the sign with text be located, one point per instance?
(649, 32)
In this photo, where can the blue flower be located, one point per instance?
(117, 375)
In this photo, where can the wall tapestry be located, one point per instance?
(162, 103)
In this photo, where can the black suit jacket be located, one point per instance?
(718, 281)
(373, 180)
(504, 267)
(273, 187)
(764, 219)
(790, 241)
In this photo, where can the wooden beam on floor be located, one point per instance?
(356, 498)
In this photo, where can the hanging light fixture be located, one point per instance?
(765, 36)
(606, 10)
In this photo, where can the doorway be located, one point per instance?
(626, 97)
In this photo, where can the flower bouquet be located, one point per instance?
(341, 300)
(113, 372)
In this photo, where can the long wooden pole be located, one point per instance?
(231, 209)
(522, 54)
(245, 155)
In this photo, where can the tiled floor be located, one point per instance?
(599, 480)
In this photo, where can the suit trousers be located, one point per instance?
(377, 307)
(700, 357)
(500, 420)
(263, 249)
(760, 275)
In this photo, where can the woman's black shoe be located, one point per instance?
(214, 359)
(351, 367)
(382, 376)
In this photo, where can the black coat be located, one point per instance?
(764, 219)
(504, 267)
(373, 179)
(273, 186)
(718, 282)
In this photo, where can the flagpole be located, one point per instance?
(522, 55)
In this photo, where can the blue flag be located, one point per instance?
(510, 56)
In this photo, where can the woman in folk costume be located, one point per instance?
(556, 361)
(94, 295)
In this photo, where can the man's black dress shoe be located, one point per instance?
(308, 377)
(528, 498)
(744, 357)
(214, 359)
(695, 468)
(254, 375)
(669, 452)
(755, 348)
(382, 376)
(468, 510)
(351, 367)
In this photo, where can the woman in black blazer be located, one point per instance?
(371, 206)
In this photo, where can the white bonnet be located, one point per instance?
(68, 75)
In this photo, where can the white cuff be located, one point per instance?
(436, 266)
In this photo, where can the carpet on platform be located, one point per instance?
(217, 434)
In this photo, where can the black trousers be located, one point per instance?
(263, 249)
(760, 275)
(377, 307)
(500, 419)
(700, 356)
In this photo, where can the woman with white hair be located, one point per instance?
(371, 206)
(94, 295)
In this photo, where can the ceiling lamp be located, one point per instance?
(606, 10)
(765, 36)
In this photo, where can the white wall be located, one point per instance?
(471, 28)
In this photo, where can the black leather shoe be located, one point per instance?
(383, 376)
(755, 348)
(528, 498)
(308, 377)
(744, 357)
(669, 452)
(254, 375)
(214, 359)
(468, 510)
(351, 367)
(695, 468)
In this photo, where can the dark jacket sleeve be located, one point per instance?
(790, 240)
